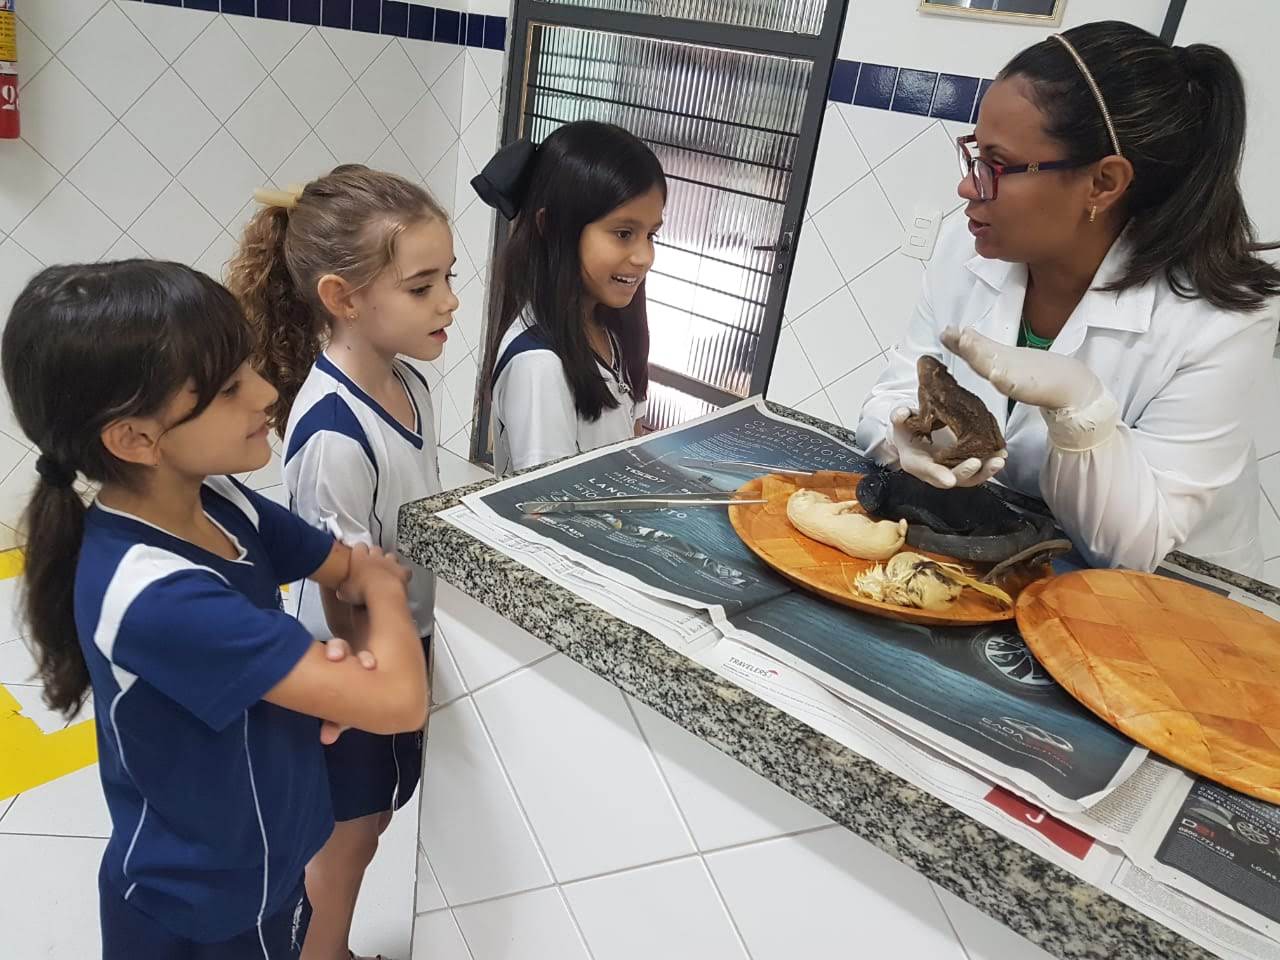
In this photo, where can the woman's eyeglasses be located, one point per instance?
(986, 175)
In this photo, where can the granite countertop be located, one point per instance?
(1068, 917)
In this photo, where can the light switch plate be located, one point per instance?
(922, 233)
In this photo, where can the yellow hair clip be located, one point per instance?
(286, 198)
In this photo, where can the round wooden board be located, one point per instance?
(829, 572)
(1187, 673)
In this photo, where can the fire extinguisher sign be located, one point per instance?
(8, 71)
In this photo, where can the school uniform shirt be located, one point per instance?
(534, 418)
(1180, 473)
(218, 799)
(349, 465)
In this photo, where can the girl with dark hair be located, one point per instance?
(163, 596)
(568, 359)
(345, 282)
(1117, 286)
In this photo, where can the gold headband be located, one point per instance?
(1097, 94)
(286, 198)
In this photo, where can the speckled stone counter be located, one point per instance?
(1065, 916)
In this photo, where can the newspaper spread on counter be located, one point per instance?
(1200, 859)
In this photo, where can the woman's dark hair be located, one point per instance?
(86, 345)
(1179, 115)
(581, 172)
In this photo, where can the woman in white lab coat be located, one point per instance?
(1106, 273)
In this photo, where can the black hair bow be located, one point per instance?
(504, 179)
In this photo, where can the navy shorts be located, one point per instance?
(374, 773)
(129, 934)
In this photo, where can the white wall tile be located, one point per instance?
(924, 173)
(170, 121)
(1271, 572)
(475, 92)
(839, 163)
(468, 319)
(528, 925)
(310, 160)
(47, 900)
(791, 378)
(848, 885)
(860, 227)
(120, 175)
(268, 126)
(436, 937)
(429, 896)
(480, 138)
(473, 831)
(60, 117)
(355, 49)
(1267, 424)
(457, 471)
(446, 682)
(391, 158)
(220, 69)
(723, 802)
(882, 133)
(1268, 529)
(475, 229)
(814, 276)
(17, 266)
(175, 226)
(887, 295)
(442, 179)
(268, 40)
(448, 88)
(66, 228)
(849, 392)
(352, 129)
(819, 405)
(431, 59)
(27, 180)
(460, 445)
(461, 381)
(392, 85)
(169, 29)
(488, 645)
(580, 767)
(312, 77)
(113, 59)
(835, 337)
(425, 135)
(55, 23)
(670, 911)
(34, 54)
(983, 937)
(491, 65)
(126, 248)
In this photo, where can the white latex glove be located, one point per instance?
(916, 458)
(1078, 410)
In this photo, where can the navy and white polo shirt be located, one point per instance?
(217, 798)
(349, 466)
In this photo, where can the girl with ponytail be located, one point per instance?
(346, 283)
(1107, 299)
(162, 596)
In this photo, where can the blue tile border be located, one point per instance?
(924, 93)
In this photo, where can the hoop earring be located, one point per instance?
(1093, 214)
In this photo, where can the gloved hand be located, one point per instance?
(1078, 410)
(916, 458)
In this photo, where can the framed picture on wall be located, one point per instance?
(1042, 12)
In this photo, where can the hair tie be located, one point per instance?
(503, 181)
(286, 199)
(53, 472)
(1093, 87)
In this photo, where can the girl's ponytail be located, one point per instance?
(55, 527)
(288, 333)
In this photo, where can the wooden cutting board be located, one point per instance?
(1187, 673)
(829, 572)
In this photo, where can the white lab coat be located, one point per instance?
(1180, 472)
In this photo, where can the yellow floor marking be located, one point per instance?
(33, 757)
(11, 563)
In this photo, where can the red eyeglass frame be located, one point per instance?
(969, 164)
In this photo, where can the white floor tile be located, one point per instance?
(17, 665)
(983, 937)
(580, 768)
(15, 490)
(669, 911)
(384, 914)
(528, 926)
(429, 895)
(835, 337)
(71, 806)
(839, 163)
(801, 897)
(723, 802)
(472, 829)
(50, 894)
(887, 294)
(878, 231)
(436, 937)
(32, 706)
(485, 645)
